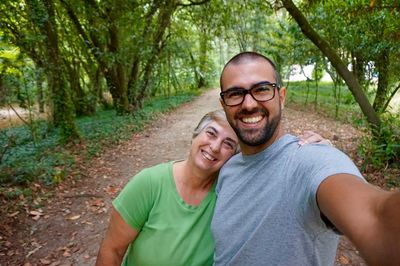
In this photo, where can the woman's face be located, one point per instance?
(216, 143)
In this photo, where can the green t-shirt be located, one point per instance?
(172, 232)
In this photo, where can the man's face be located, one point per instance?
(254, 122)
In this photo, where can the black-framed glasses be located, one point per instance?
(261, 92)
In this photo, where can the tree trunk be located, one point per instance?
(203, 62)
(40, 93)
(358, 69)
(195, 72)
(164, 20)
(337, 63)
(316, 94)
(80, 98)
(382, 64)
(118, 76)
(62, 107)
(3, 90)
(115, 72)
(133, 78)
(133, 87)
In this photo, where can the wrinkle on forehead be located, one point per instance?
(243, 61)
(247, 73)
(217, 131)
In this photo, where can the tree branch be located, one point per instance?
(20, 117)
(390, 98)
(336, 62)
(193, 3)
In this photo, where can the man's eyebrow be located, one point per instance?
(252, 85)
(261, 83)
(235, 88)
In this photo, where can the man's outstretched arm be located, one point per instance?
(367, 215)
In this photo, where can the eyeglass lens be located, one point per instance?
(261, 93)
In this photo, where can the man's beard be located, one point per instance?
(262, 136)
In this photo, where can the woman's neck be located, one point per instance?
(192, 184)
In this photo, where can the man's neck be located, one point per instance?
(250, 150)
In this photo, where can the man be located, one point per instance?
(280, 203)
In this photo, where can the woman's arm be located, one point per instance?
(311, 137)
(118, 236)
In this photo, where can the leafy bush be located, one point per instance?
(28, 160)
(25, 158)
(381, 148)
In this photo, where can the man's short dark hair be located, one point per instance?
(251, 56)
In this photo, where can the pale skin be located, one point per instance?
(117, 239)
(193, 178)
(367, 215)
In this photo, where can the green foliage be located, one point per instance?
(16, 80)
(48, 161)
(15, 192)
(28, 161)
(136, 49)
(381, 148)
(347, 110)
(318, 72)
(365, 35)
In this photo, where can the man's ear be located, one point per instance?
(282, 96)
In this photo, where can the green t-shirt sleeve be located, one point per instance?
(135, 200)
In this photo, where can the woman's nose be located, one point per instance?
(215, 146)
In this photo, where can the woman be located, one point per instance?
(163, 214)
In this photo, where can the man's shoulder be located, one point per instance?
(232, 162)
(316, 150)
(324, 158)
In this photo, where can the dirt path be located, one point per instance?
(68, 227)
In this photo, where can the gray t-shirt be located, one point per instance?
(267, 213)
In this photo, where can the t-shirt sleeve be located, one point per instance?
(135, 200)
(317, 164)
(330, 162)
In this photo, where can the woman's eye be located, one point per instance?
(210, 133)
(229, 145)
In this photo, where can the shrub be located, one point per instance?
(381, 148)
(40, 157)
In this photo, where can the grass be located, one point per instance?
(344, 108)
(379, 153)
(47, 161)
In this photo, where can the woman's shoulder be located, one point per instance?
(156, 172)
(159, 168)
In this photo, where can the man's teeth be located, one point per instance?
(251, 120)
(208, 156)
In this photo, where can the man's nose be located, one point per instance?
(249, 102)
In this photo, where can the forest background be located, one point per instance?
(90, 73)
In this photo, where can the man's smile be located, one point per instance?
(251, 120)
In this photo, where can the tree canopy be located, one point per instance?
(75, 52)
